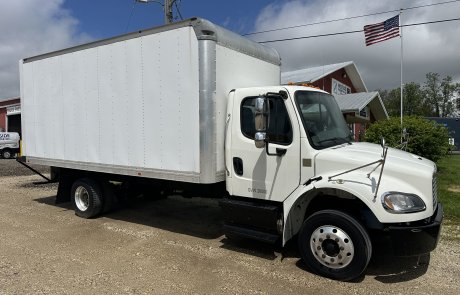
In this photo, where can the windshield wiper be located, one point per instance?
(336, 140)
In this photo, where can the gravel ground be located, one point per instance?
(172, 246)
(12, 168)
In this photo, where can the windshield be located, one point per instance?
(322, 119)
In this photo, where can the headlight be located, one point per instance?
(396, 202)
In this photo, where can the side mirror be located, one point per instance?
(259, 139)
(262, 112)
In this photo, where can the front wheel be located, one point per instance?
(335, 245)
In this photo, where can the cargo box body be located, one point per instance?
(149, 104)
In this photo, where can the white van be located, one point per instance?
(9, 144)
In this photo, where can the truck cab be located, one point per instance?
(291, 169)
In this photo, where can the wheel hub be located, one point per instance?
(82, 198)
(332, 246)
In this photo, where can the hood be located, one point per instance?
(399, 164)
(361, 153)
(403, 172)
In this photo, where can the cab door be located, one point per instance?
(254, 172)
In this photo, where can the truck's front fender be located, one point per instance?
(295, 206)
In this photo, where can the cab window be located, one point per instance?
(279, 126)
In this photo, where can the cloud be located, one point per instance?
(427, 48)
(28, 28)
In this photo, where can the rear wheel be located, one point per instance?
(335, 245)
(86, 198)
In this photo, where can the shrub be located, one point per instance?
(426, 138)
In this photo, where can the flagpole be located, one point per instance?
(401, 37)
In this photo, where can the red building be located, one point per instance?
(10, 115)
(343, 80)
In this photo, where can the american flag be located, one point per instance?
(382, 31)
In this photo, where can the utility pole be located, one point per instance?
(168, 11)
(167, 7)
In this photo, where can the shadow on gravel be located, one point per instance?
(201, 217)
(260, 249)
(391, 269)
(196, 217)
(51, 200)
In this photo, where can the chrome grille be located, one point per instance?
(435, 191)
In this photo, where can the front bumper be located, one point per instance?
(411, 240)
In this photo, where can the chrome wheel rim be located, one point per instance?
(82, 198)
(6, 155)
(332, 247)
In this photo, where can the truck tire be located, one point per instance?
(86, 197)
(335, 245)
(7, 154)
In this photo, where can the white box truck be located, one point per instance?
(192, 107)
(9, 144)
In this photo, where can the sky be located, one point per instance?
(31, 27)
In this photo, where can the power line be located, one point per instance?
(357, 31)
(351, 17)
(178, 10)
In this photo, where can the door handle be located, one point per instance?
(279, 151)
(238, 166)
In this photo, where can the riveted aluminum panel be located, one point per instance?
(119, 105)
(146, 102)
(135, 108)
(132, 104)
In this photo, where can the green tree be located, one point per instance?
(436, 98)
(426, 138)
(412, 100)
(457, 98)
(440, 95)
(391, 100)
(448, 99)
(432, 90)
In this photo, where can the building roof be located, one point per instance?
(311, 75)
(8, 99)
(355, 102)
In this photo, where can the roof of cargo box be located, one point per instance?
(204, 30)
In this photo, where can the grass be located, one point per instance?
(449, 186)
(449, 194)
